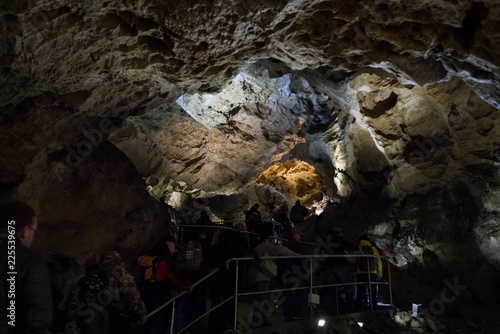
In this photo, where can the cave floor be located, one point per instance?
(347, 323)
(384, 319)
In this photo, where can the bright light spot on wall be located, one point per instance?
(320, 205)
(364, 89)
(295, 179)
(175, 199)
(321, 323)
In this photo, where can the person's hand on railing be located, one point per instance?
(227, 264)
(187, 288)
(144, 319)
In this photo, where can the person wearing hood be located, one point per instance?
(369, 270)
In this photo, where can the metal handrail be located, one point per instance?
(171, 300)
(336, 285)
(238, 294)
(219, 226)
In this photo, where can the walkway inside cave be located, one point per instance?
(384, 319)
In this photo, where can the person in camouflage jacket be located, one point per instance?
(106, 299)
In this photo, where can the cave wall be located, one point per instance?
(94, 204)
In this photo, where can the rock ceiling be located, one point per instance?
(112, 108)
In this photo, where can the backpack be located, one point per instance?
(149, 269)
(367, 264)
(91, 284)
(190, 255)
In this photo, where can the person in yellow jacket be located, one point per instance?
(369, 269)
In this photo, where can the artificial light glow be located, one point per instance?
(360, 324)
(364, 88)
(321, 323)
(320, 205)
(175, 199)
(294, 179)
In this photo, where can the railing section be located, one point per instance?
(312, 286)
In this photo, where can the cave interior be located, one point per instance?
(120, 120)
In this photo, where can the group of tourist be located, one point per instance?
(111, 298)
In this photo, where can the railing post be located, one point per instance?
(311, 284)
(172, 318)
(337, 297)
(390, 281)
(236, 299)
(369, 282)
(311, 275)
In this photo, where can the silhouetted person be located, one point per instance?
(57, 266)
(294, 275)
(205, 220)
(260, 281)
(281, 216)
(253, 221)
(253, 217)
(25, 295)
(298, 213)
(231, 244)
(157, 293)
(194, 304)
(336, 271)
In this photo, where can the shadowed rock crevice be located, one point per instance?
(471, 23)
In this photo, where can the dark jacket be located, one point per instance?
(233, 244)
(298, 266)
(33, 297)
(298, 213)
(337, 245)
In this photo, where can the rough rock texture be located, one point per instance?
(201, 44)
(112, 109)
(84, 211)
